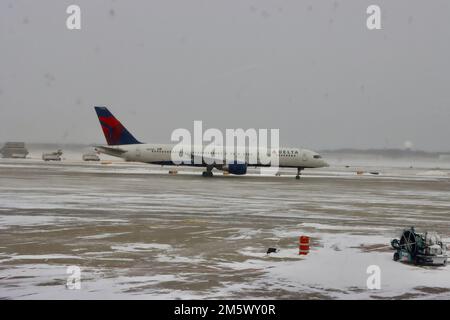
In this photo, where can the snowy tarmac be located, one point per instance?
(137, 232)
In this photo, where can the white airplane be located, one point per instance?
(121, 143)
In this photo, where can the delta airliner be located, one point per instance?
(121, 143)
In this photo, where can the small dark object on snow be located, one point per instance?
(272, 250)
(374, 172)
(422, 249)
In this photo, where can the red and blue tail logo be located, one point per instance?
(115, 133)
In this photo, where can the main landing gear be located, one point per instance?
(299, 172)
(208, 172)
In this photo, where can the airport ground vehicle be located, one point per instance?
(52, 156)
(14, 150)
(420, 249)
(90, 156)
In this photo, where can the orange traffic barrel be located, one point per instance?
(304, 245)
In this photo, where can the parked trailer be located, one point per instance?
(14, 150)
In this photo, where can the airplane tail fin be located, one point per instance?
(115, 133)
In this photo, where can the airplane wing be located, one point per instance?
(117, 152)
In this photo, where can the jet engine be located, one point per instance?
(237, 168)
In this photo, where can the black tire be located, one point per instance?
(417, 261)
(396, 256)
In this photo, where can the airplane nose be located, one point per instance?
(325, 164)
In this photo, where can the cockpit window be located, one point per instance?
(317, 156)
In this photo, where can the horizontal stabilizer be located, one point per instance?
(110, 150)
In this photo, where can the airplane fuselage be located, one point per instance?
(164, 154)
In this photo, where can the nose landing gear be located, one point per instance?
(299, 172)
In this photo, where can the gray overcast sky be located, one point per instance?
(310, 68)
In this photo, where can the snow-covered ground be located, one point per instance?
(137, 232)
